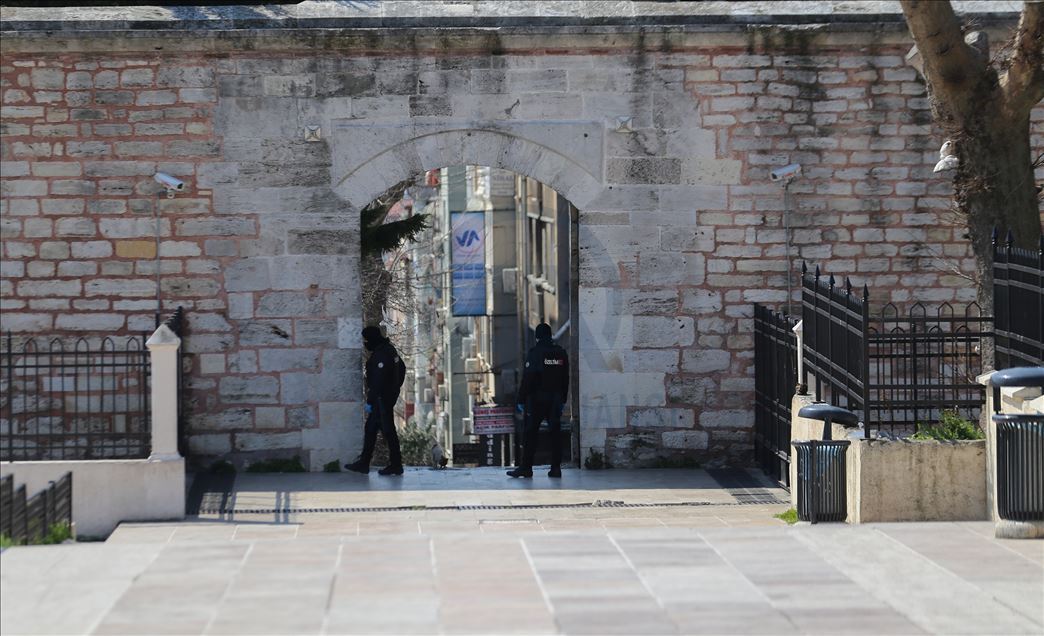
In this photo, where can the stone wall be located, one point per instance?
(664, 149)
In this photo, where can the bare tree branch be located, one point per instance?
(1023, 83)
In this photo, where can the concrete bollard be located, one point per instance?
(163, 349)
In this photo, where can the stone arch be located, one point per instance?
(368, 174)
(390, 154)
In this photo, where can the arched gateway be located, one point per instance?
(661, 129)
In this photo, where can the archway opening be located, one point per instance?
(459, 266)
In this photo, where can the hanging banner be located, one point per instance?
(468, 256)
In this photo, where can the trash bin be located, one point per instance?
(1020, 450)
(822, 487)
(1020, 466)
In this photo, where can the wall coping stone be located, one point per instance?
(478, 14)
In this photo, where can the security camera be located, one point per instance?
(786, 173)
(169, 182)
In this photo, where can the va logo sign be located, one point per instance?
(468, 238)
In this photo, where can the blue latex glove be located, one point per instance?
(521, 409)
(368, 408)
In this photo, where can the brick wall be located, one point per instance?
(82, 140)
(687, 234)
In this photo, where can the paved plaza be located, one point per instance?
(650, 552)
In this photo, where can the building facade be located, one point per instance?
(659, 124)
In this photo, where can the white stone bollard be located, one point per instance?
(163, 349)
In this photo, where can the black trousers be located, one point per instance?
(381, 419)
(538, 409)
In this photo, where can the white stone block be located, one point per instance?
(663, 418)
(349, 333)
(696, 440)
(211, 363)
(706, 360)
(659, 331)
(270, 417)
(731, 418)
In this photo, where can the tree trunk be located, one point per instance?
(983, 107)
(995, 192)
(376, 281)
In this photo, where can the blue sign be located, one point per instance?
(468, 256)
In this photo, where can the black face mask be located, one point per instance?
(370, 345)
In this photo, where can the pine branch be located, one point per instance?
(391, 236)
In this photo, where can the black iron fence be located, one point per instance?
(775, 362)
(898, 370)
(29, 520)
(84, 399)
(1018, 304)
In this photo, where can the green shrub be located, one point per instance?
(222, 467)
(675, 462)
(57, 533)
(790, 516)
(951, 426)
(293, 465)
(596, 460)
(415, 441)
(332, 467)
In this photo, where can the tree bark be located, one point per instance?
(986, 116)
(376, 280)
(1023, 84)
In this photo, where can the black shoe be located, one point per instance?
(390, 470)
(358, 467)
(555, 472)
(521, 472)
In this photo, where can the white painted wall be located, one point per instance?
(106, 492)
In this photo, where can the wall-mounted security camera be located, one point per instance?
(169, 183)
(786, 173)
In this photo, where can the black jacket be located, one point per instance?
(385, 373)
(546, 373)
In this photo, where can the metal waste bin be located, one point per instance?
(822, 487)
(1020, 466)
(1020, 450)
(822, 484)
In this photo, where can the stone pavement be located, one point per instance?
(283, 497)
(716, 566)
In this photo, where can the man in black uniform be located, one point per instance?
(385, 373)
(545, 386)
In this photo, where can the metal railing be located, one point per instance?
(897, 370)
(29, 520)
(85, 399)
(775, 377)
(1018, 304)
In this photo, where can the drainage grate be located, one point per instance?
(483, 522)
(600, 503)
